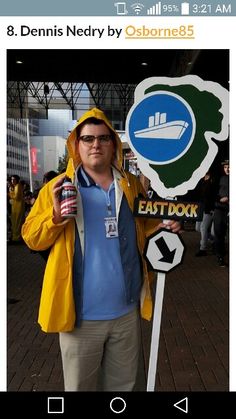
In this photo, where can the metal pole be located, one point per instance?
(29, 154)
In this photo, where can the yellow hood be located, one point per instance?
(74, 157)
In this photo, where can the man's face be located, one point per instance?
(96, 155)
(226, 169)
(13, 181)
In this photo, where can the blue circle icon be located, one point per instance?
(161, 127)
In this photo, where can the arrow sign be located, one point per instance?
(184, 405)
(168, 255)
(164, 250)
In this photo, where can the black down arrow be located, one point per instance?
(168, 255)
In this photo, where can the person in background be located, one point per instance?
(221, 214)
(16, 199)
(95, 282)
(207, 196)
(49, 176)
(29, 201)
(151, 193)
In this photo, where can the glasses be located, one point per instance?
(89, 139)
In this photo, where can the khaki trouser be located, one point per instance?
(109, 347)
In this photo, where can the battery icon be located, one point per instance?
(185, 8)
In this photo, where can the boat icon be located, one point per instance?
(159, 128)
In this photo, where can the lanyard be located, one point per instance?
(108, 201)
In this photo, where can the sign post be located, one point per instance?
(164, 251)
(156, 326)
(175, 145)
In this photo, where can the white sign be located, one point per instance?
(164, 250)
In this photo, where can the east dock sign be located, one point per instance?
(174, 210)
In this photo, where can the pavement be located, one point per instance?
(194, 338)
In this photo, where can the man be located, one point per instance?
(207, 195)
(221, 213)
(93, 279)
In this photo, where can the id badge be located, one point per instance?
(111, 227)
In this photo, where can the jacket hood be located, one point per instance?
(74, 156)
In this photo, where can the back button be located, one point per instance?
(182, 405)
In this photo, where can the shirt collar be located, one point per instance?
(84, 179)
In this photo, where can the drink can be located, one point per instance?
(68, 199)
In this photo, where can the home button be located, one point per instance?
(117, 405)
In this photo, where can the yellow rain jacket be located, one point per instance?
(57, 307)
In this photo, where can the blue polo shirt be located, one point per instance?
(104, 293)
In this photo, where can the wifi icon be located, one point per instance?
(137, 7)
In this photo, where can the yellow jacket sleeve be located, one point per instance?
(39, 232)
